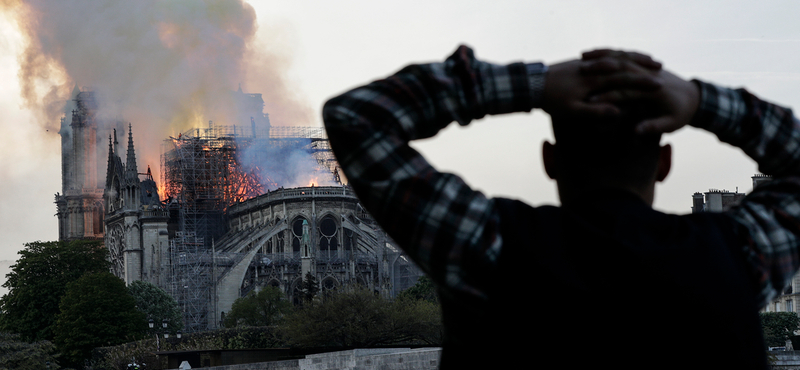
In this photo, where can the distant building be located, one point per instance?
(715, 200)
(721, 200)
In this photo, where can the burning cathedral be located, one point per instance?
(236, 207)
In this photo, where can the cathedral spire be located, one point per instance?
(131, 172)
(75, 91)
(110, 149)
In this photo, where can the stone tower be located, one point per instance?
(137, 237)
(80, 204)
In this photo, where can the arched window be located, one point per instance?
(329, 285)
(280, 242)
(328, 230)
(297, 233)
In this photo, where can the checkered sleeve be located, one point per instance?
(769, 217)
(444, 225)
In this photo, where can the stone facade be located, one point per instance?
(280, 237)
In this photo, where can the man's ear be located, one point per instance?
(549, 159)
(664, 162)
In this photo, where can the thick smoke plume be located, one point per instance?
(285, 166)
(164, 66)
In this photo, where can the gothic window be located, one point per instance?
(328, 231)
(297, 233)
(97, 218)
(329, 285)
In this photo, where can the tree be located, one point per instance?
(21, 355)
(310, 287)
(38, 280)
(96, 310)
(778, 326)
(156, 304)
(360, 318)
(423, 289)
(264, 308)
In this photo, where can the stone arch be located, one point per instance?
(296, 291)
(273, 283)
(235, 275)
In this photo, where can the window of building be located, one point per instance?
(328, 234)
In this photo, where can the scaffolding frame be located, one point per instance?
(202, 177)
(191, 279)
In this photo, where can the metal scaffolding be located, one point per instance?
(203, 174)
(191, 279)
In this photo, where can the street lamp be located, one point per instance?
(164, 324)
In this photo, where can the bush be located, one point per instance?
(778, 326)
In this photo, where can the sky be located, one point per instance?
(301, 53)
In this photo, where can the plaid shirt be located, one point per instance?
(451, 230)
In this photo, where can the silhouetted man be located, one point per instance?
(603, 280)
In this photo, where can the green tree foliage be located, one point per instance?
(18, 354)
(310, 287)
(38, 280)
(96, 311)
(157, 305)
(778, 326)
(423, 289)
(360, 318)
(264, 308)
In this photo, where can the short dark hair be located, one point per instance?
(605, 152)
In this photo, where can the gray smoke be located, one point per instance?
(285, 166)
(164, 66)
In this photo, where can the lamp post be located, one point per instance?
(164, 324)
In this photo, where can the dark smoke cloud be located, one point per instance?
(164, 66)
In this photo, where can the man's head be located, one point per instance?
(589, 154)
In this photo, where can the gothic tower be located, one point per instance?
(80, 205)
(137, 237)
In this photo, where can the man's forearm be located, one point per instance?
(442, 223)
(766, 132)
(770, 215)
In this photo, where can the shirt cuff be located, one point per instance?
(536, 76)
(720, 109)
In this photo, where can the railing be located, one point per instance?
(293, 193)
(155, 214)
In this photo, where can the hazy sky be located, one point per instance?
(327, 47)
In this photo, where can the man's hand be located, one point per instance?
(568, 85)
(673, 105)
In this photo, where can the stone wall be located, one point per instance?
(784, 360)
(357, 359)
